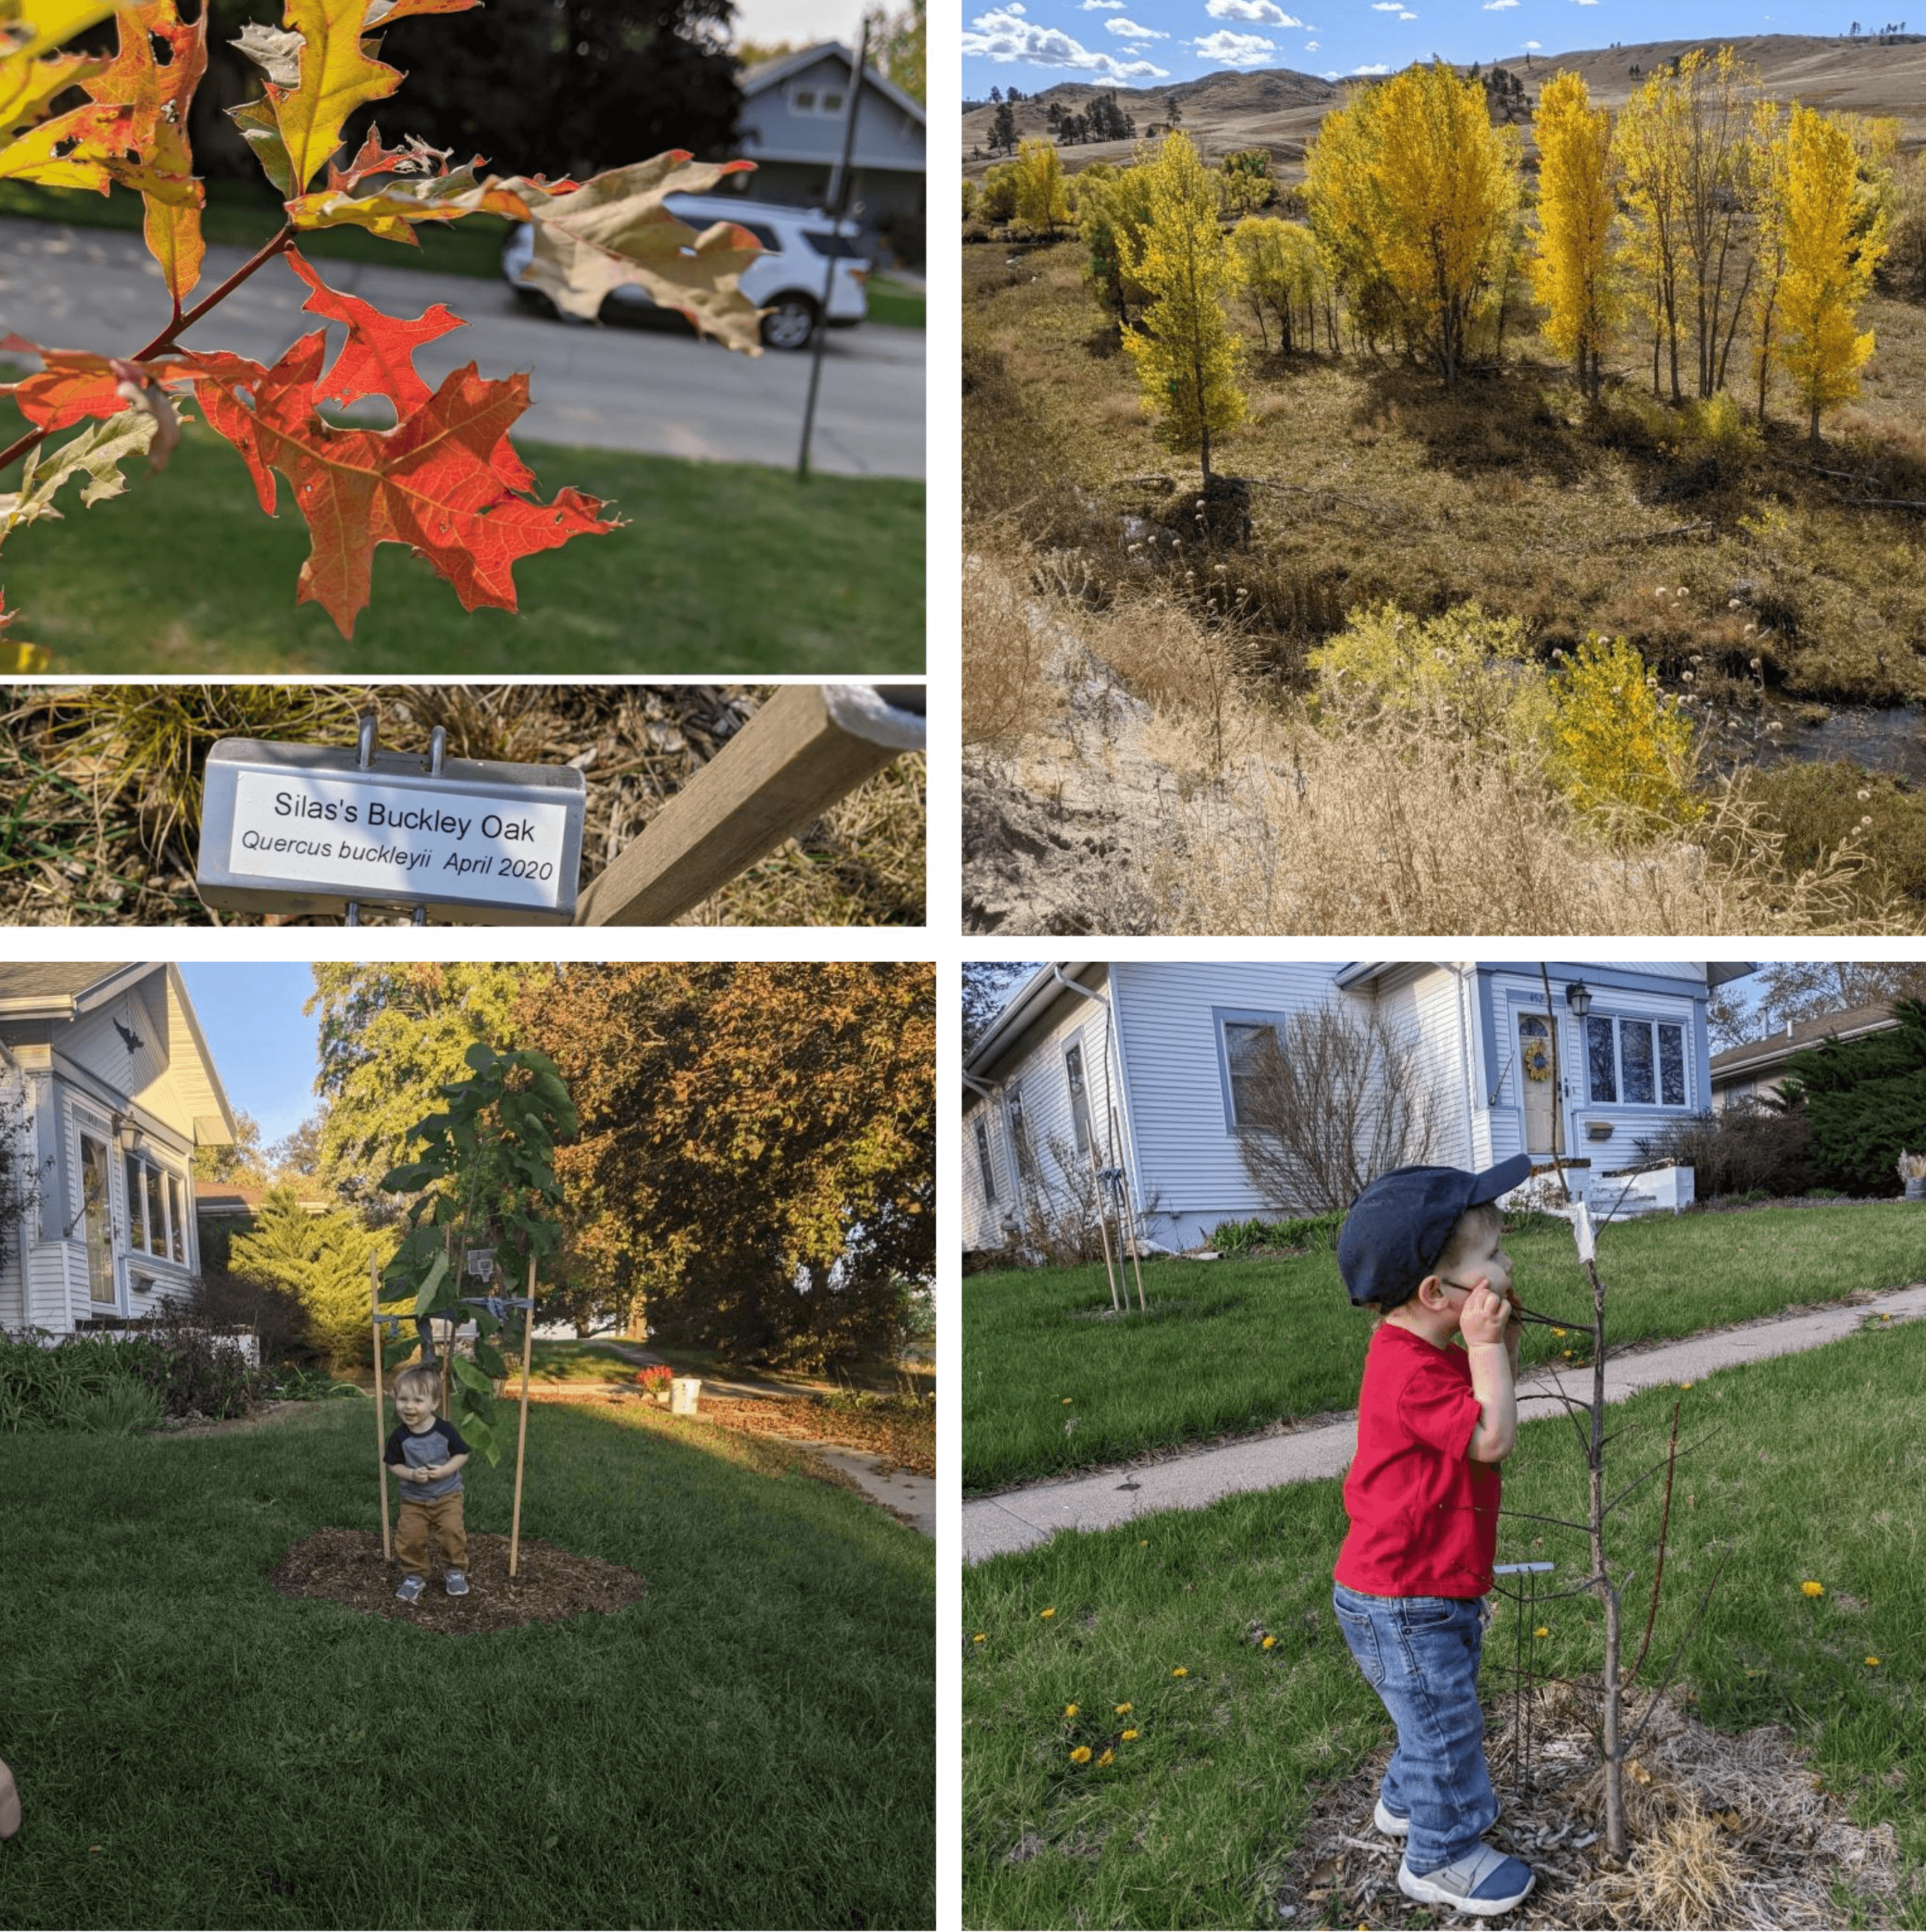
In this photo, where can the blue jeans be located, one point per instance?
(1421, 1655)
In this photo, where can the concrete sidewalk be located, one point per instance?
(1022, 1518)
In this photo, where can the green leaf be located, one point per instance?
(481, 1057)
(481, 1435)
(471, 1376)
(424, 1300)
(398, 1289)
(397, 1351)
(409, 1176)
(491, 1361)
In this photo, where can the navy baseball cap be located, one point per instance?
(1398, 1227)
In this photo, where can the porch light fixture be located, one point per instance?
(126, 1132)
(1578, 998)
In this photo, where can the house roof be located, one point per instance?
(1763, 1056)
(1361, 972)
(236, 1199)
(62, 990)
(765, 74)
(1027, 1004)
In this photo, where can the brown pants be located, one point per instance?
(418, 1516)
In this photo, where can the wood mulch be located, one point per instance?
(1723, 1831)
(550, 1584)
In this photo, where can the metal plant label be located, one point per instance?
(291, 827)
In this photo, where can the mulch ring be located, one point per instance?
(551, 1584)
(1722, 1832)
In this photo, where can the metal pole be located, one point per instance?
(364, 736)
(838, 200)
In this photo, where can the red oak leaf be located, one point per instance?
(378, 358)
(445, 480)
(75, 384)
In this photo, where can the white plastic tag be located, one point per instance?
(1583, 1233)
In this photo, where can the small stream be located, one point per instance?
(1888, 740)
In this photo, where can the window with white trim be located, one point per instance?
(984, 1165)
(156, 1210)
(1634, 1063)
(1073, 1071)
(826, 102)
(1241, 1044)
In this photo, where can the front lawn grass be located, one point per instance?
(723, 569)
(1236, 1346)
(588, 1361)
(752, 1743)
(1815, 1471)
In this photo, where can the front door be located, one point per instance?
(96, 1214)
(1537, 1080)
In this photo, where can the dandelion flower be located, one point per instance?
(1559, 1333)
(1108, 1757)
(1866, 820)
(982, 1636)
(1685, 1385)
(1864, 793)
(1129, 1737)
(1124, 1710)
(1269, 1643)
(1068, 1399)
(1050, 1613)
(1541, 1631)
(1070, 1710)
(1872, 1663)
(1812, 1589)
(1567, 1354)
(1179, 1672)
(1143, 1542)
(1082, 1755)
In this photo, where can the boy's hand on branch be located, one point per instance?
(1486, 1317)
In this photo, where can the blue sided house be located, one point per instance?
(1138, 1064)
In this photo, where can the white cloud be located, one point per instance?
(1262, 13)
(1129, 30)
(1004, 35)
(1383, 6)
(1407, 16)
(1088, 5)
(1378, 67)
(1498, 6)
(1229, 49)
(1534, 47)
(1310, 46)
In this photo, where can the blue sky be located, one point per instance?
(263, 1044)
(1143, 43)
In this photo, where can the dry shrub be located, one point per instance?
(1007, 692)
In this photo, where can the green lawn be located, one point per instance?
(895, 304)
(1231, 1345)
(1816, 1470)
(724, 569)
(751, 1745)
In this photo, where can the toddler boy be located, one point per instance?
(427, 1455)
(1434, 1422)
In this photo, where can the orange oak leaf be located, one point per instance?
(445, 480)
(378, 359)
(75, 383)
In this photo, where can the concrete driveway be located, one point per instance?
(647, 387)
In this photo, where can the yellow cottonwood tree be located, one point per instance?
(1187, 358)
(1040, 200)
(1414, 194)
(1571, 266)
(1834, 235)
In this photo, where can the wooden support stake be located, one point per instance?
(380, 1433)
(521, 1432)
(1103, 1228)
(782, 771)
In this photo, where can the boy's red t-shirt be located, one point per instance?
(1424, 1516)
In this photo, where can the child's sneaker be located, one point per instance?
(1392, 1825)
(411, 1589)
(1487, 1882)
(457, 1583)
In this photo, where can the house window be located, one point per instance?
(177, 1203)
(1635, 1063)
(825, 101)
(1019, 1137)
(1073, 1070)
(97, 1219)
(156, 1217)
(1243, 1044)
(983, 1163)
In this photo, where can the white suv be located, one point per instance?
(785, 281)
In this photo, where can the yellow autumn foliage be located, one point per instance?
(1615, 740)
(1571, 265)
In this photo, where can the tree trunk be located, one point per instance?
(1615, 1769)
(1813, 431)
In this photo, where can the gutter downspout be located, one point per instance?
(1114, 1056)
(1465, 1060)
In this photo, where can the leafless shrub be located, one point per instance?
(1064, 1216)
(1006, 695)
(1750, 1145)
(1342, 1097)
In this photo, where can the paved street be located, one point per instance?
(645, 387)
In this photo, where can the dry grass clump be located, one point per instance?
(1008, 694)
(1214, 810)
(101, 787)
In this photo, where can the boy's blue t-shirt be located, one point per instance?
(435, 1444)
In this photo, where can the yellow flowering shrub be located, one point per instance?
(1616, 739)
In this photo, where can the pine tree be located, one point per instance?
(1003, 128)
(1571, 269)
(1414, 194)
(1834, 235)
(1187, 358)
(323, 1260)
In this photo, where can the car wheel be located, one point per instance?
(533, 302)
(789, 322)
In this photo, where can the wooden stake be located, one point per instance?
(781, 771)
(1103, 1228)
(380, 1433)
(521, 1432)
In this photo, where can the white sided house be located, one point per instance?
(108, 1088)
(1138, 1064)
